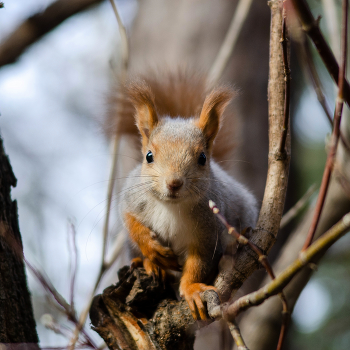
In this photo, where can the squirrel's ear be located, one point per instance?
(213, 108)
(143, 100)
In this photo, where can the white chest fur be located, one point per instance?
(172, 223)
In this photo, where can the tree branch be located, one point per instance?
(268, 224)
(336, 132)
(276, 286)
(36, 26)
(261, 322)
(311, 27)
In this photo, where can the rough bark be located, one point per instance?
(17, 323)
(141, 313)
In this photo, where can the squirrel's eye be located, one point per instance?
(149, 157)
(202, 159)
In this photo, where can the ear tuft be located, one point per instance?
(142, 98)
(213, 108)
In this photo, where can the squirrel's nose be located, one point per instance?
(174, 185)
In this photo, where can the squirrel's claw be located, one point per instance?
(192, 296)
(154, 270)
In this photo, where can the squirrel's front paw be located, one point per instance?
(154, 270)
(164, 257)
(192, 295)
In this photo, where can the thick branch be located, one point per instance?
(276, 186)
(33, 28)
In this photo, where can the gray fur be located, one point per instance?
(180, 222)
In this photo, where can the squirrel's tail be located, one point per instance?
(176, 94)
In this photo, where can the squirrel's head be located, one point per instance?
(177, 151)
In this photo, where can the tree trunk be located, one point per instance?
(17, 323)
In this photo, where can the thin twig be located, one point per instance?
(275, 286)
(330, 14)
(52, 291)
(298, 206)
(262, 259)
(124, 40)
(118, 245)
(111, 183)
(229, 42)
(115, 142)
(236, 335)
(311, 27)
(312, 74)
(74, 261)
(285, 321)
(335, 135)
(285, 48)
(39, 24)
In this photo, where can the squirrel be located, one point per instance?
(165, 202)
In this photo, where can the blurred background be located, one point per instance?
(53, 103)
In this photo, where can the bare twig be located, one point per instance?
(118, 245)
(316, 82)
(285, 48)
(111, 183)
(124, 41)
(311, 27)
(263, 260)
(36, 26)
(236, 335)
(229, 42)
(242, 239)
(113, 171)
(298, 206)
(330, 14)
(275, 286)
(115, 142)
(74, 261)
(285, 321)
(52, 291)
(336, 131)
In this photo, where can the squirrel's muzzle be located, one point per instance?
(174, 185)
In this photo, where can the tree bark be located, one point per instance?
(141, 313)
(17, 323)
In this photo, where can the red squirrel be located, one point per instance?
(165, 204)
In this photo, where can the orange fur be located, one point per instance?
(175, 94)
(213, 107)
(190, 286)
(150, 248)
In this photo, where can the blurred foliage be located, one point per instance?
(334, 331)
